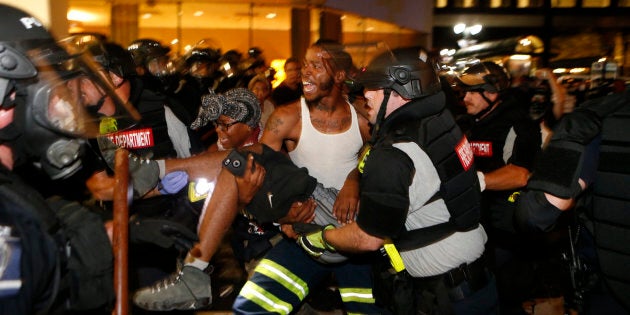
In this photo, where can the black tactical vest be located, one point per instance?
(148, 138)
(433, 128)
(31, 221)
(611, 204)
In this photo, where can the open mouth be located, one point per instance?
(308, 87)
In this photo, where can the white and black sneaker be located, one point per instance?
(188, 289)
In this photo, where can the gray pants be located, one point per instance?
(325, 199)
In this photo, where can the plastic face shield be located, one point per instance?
(472, 76)
(58, 99)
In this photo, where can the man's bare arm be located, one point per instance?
(352, 239)
(282, 125)
(507, 177)
(347, 203)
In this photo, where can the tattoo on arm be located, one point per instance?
(273, 125)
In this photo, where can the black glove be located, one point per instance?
(161, 232)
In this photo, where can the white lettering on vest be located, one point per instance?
(465, 153)
(133, 139)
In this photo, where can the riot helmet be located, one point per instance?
(408, 71)
(230, 63)
(142, 50)
(197, 54)
(113, 57)
(42, 80)
(486, 76)
(254, 52)
(202, 62)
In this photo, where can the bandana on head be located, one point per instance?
(239, 104)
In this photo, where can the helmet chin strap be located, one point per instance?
(381, 115)
(487, 109)
(93, 109)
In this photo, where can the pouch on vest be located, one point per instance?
(393, 290)
(89, 276)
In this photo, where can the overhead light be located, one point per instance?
(520, 57)
(174, 41)
(147, 16)
(198, 13)
(578, 70)
(343, 17)
(369, 28)
(459, 28)
(447, 52)
(271, 15)
(475, 29)
(82, 16)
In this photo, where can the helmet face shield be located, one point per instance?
(58, 98)
(161, 66)
(486, 76)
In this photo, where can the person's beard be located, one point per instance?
(324, 90)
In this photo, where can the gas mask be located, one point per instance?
(52, 118)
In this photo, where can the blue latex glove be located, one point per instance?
(173, 182)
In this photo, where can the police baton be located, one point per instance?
(120, 240)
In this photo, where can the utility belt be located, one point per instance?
(401, 293)
(474, 274)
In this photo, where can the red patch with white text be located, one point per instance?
(465, 153)
(133, 139)
(483, 149)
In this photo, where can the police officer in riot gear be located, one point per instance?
(419, 202)
(584, 167)
(154, 65)
(160, 118)
(505, 142)
(41, 115)
(233, 74)
(201, 76)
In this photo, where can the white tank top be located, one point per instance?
(328, 157)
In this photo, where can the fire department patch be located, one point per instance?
(482, 148)
(465, 153)
(133, 139)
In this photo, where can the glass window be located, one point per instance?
(464, 3)
(562, 3)
(529, 3)
(595, 3)
(499, 3)
(441, 3)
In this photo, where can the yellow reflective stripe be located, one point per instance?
(360, 295)
(514, 196)
(283, 276)
(394, 256)
(264, 299)
(365, 152)
(108, 125)
(193, 195)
